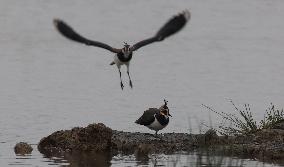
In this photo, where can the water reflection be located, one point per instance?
(142, 159)
(83, 159)
(199, 158)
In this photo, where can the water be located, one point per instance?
(229, 50)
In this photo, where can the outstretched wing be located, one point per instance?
(174, 25)
(148, 116)
(69, 33)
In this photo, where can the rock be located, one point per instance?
(23, 148)
(93, 138)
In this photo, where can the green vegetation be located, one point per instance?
(272, 117)
(245, 123)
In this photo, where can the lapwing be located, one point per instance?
(124, 55)
(155, 118)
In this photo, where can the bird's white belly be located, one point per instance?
(156, 125)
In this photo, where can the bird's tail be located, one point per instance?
(112, 63)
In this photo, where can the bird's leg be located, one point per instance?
(157, 136)
(130, 82)
(121, 84)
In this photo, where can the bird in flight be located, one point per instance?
(124, 55)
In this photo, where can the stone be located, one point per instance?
(23, 148)
(93, 138)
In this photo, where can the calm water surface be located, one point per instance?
(229, 50)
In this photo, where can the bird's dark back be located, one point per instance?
(148, 116)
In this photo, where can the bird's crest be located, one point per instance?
(126, 44)
(126, 48)
(166, 102)
(164, 108)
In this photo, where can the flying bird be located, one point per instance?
(124, 55)
(155, 118)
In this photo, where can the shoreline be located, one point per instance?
(265, 145)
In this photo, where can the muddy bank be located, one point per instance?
(145, 143)
(97, 138)
(265, 145)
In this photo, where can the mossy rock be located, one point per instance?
(23, 148)
(93, 138)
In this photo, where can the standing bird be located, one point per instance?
(124, 55)
(154, 118)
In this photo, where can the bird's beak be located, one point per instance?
(170, 115)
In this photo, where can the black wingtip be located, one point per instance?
(57, 22)
(186, 14)
(60, 25)
(175, 24)
(64, 29)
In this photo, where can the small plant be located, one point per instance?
(245, 123)
(272, 117)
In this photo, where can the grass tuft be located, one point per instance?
(245, 123)
(272, 117)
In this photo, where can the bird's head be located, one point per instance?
(164, 110)
(126, 49)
